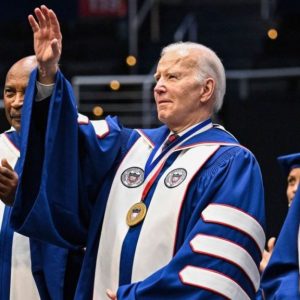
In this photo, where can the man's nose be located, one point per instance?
(18, 100)
(160, 87)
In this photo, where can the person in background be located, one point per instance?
(280, 279)
(29, 269)
(290, 165)
(175, 212)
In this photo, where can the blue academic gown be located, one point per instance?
(55, 269)
(71, 214)
(280, 279)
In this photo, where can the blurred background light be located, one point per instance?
(98, 111)
(272, 34)
(131, 60)
(115, 85)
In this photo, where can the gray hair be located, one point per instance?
(209, 65)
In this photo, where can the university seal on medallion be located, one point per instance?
(175, 177)
(132, 177)
(136, 214)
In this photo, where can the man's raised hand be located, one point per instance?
(47, 42)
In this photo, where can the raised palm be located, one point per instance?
(47, 36)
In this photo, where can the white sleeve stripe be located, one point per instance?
(82, 119)
(212, 281)
(233, 217)
(101, 128)
(228, 251)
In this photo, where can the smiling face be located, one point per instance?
(293, 183)
(14, 89)
(182, 99)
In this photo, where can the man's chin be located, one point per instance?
(163, 117)
(16, 124)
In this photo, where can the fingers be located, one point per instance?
(45, 18)
(8, 182)
(271, 243)
(267, 254)
(45, 11)
(41, 17)
(111, 295)
(33, 23)
(47, 40)
(4, 190)
(54, 23)
(7, 194)
(7, 173)
(55, 47)
(36, 25)
(51, 20)
(5, 164)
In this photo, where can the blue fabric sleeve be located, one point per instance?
(54, 200)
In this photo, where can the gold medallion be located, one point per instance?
(136, 214)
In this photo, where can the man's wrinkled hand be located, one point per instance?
(47, 40)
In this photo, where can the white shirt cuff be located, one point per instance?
(43, 91)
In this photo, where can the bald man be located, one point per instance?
(14, 90)
(29, 269)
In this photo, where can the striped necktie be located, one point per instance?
(172, 137)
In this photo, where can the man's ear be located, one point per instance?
(207, 90)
